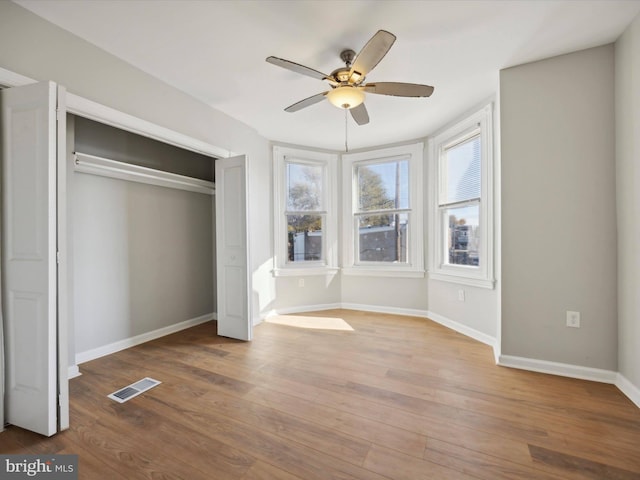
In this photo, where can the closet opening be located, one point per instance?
(142, 236)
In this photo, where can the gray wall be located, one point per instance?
(627, 61)
(558, 209)
(142, 258)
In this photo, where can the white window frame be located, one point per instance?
(439, 269)
(414, 267)
(329, 263)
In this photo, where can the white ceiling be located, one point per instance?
(215, 51)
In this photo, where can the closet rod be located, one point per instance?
(104, 167)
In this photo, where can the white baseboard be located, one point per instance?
(142, 338)
(463, 329)
(458, 327)
(73, 372)
(410, 312)
(628, 388)
(302, 309)
(556, 368)
(346, 306)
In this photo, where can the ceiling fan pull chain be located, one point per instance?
(346, 145)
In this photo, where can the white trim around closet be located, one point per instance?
(109, 116)
(100, 113)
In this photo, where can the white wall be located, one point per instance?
(558, 209)
(627, 103)
(317, 291)
(35, 48)
(386, 293)
(478, 312)
(476, 315)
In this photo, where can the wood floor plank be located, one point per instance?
(486, 467)
(582, 466)
(264, 471)
(324, 439)
(394, 398)
(400, 466)
(350, 424)
(290, 456)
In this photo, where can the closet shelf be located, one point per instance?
(105, 167)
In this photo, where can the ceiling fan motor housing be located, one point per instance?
(341, 75)
(348, 56)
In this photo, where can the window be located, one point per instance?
(459, 202)
(462, 225)
(305, 230)
(383, 214)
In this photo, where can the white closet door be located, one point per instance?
(29, 255)
(233, 310)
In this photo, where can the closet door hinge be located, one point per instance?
(58, 115)
(58, 257)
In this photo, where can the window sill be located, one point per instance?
(366, 271)
(304, 271)
(454, 277)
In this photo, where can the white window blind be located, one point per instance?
(461, 171)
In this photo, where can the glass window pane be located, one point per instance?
(304, 238)
(463, 235)
(383, 186)
(304, 187)
(383, 238)
(461, 172)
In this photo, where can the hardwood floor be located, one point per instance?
(374, 397)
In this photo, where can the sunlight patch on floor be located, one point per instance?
(317, 323)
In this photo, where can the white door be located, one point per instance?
(29, 288)
(233, 283)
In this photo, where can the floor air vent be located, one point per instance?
(133, 390)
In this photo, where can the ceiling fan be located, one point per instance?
(347, 83)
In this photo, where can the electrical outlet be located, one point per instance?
(461, 296)
(573, 319)
(301, 282)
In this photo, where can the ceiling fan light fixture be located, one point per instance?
(346, 97)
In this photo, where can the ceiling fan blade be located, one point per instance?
(307, 102)
(371, 54)
(296, 67)
(360, 114)
(398, 89)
